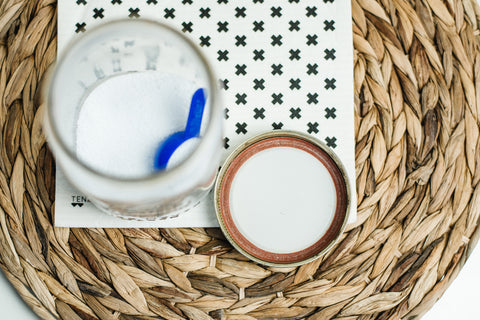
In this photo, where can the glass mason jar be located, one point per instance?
(123, 48)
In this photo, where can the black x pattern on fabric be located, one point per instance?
(262, 73)
(205, 41)
(134, 13)
(258, 26)
(330, 113)
(240, 12)
(204, 13)
(294, 25)
(80, 27)
(258, 54)
(169, 13)
(259, 113)
(294, 54)
(329, 54)
(258, 84)
(98, 13)
(295, 84)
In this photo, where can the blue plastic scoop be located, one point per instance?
(192, 130)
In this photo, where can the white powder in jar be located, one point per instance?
(123, 120)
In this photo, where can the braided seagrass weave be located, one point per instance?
(417, 108)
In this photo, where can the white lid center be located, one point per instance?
(282, 199)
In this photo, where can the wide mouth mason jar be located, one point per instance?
(114, 96)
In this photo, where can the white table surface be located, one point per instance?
(460, 301)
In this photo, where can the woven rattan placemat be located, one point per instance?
(417, 73)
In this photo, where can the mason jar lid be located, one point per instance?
(282, 198)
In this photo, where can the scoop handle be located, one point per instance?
(194, 121)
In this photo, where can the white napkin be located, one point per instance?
(284, 64)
